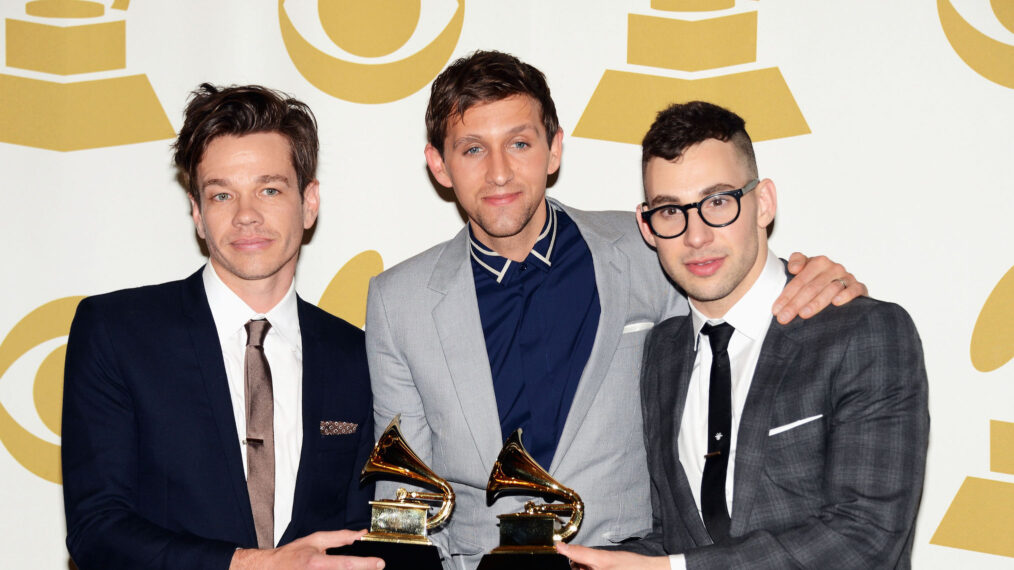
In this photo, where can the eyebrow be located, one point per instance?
(670, 199)
(476, 138)
(263, 179)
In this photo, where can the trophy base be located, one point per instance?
(506, 560)
(396, 556)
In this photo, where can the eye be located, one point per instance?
(520, 145)
(270, 192)
(715, 202)
(472, 150)
(220, 197)
(670, 212)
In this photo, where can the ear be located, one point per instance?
(643, 226)
(767, 202)
(311, 204)
(555, 152)
(437, 166)
(195, 213)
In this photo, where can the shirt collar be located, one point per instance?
(751, 315)
(231, 313)
(498, 265)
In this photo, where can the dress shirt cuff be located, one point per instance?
(677, 562)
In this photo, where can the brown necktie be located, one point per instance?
(260, 434)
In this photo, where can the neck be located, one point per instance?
(261, 295)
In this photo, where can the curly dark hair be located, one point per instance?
(213, 112)
(484, 77)
(682, 125)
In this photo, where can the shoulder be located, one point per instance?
(865, 318)
(421, 265)
(138, 301)
(324, 323)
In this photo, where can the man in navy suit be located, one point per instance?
(174, 455)
(799, 445)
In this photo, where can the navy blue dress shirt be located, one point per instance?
(539, 318)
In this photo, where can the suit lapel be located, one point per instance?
(459, 327)
(612, 280)
(208, 353)
(776, 354)
(312, 384)
(673, 383)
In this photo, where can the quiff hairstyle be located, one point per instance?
(485, 77)
(682, 125)
(214, 112)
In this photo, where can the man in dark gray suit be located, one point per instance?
(827, 417)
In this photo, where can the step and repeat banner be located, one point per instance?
(888, 128)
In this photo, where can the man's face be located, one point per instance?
(251, 214)
(715, 266)
(497, 159)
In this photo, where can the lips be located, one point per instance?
(251, 244)
(501, 199)
(704, 267)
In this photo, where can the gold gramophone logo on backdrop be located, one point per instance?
(981, 516)
(697, 43)
(369, 30)
(988, 57)
(41, 336)
(51, 98)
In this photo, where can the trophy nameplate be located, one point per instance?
(399, 527)
(528, 539)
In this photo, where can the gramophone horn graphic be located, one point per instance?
(63, 39)
(398, 527)
(527, 538)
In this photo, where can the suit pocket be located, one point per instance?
(633, 339)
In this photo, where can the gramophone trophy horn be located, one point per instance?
(527, 538)
(404, 518)
(398, 527)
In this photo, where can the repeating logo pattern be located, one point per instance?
(57, 114)
(988, 57)
(625, 103)
(369, 28)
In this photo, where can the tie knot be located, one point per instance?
(256, 330)
(719, 336)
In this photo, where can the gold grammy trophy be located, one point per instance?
(527, 539)
(398, 527)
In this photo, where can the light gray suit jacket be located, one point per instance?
(428, 362)
(840, 491)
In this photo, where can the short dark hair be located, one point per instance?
(484, 77)
(214, 112)
(682, 125)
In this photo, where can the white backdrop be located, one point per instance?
(905, 178)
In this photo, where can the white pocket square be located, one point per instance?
(638, 326)
(795, 424)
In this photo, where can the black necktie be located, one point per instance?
(714, 509)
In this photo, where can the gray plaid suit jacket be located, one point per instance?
(838, 492)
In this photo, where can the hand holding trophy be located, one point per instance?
(398, 527)
(527, 539)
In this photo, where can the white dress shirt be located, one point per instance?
(750, 317)
(283, 348)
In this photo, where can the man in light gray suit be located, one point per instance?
(533, 316)
(811, 434)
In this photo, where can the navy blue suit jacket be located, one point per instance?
(153, 476)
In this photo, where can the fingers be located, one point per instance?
(355, 563)
(580, 556)
(818, 283)
(324, 539)
(796, 262)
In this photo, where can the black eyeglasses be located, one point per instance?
(716, 210)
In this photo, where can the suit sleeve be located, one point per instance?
(395, 392)
(100, 464)
(876, 454)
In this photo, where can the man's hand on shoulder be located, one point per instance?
(307, 553)
(818, 282)
(586, 558)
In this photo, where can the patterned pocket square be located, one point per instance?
(329, 427)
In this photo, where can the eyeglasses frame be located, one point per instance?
(737, 194)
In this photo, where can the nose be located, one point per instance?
(698, 233)
(247, 211)
(499, 170)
